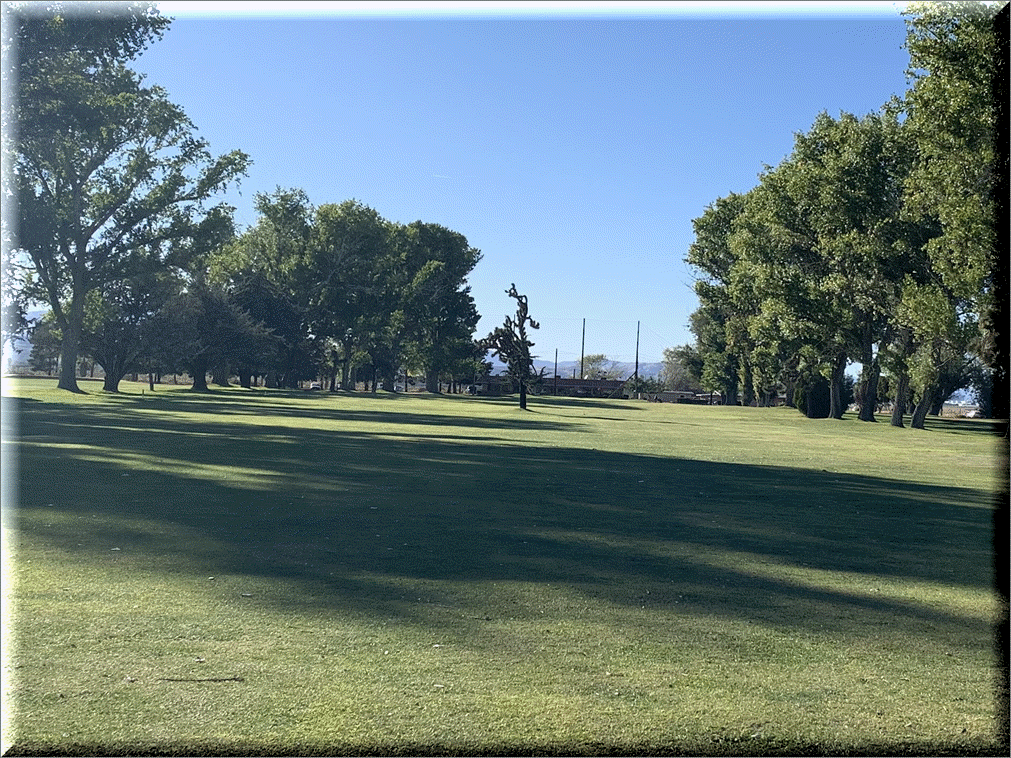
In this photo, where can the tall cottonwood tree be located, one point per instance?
(719, 322)
(872, 242)
(856, 169)
(829, 250)
(439, 310)
(951, 116)
(107, 171)
(346, 255)
(265, 272)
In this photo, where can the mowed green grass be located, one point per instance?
(264, 572)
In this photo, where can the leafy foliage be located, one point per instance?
(346, 291)
(107, 172)
(202, 329)
(870, 243)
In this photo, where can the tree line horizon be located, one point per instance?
(873, 242)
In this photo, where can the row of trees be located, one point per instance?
(341, 288)
(117, 232)
(871, 243)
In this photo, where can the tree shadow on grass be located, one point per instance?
(355, 520)
(536, 402)
(391, 408)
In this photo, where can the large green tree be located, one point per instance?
(202, 329)
(265, 270)
(347, 254)
(440, 313)
(107, 171)
(872, 242)
(119, 319)
(856, 169)
(719, 324)
(344, 289)
(828, 249)
(951, 117)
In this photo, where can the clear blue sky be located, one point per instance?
(572, 144)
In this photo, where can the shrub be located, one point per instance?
(813, 398)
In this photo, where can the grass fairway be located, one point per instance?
(274, 573)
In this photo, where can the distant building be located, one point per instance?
(676, 396)
(503, 384)
(583, 387)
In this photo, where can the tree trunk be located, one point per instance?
(748, 386)
(199, 371)
(836, 409)
(922, 406)
(220, 376)
(523, 395)
(869, 377)
(68, 355)
(899, 408)
(113, 366)
(346, 381)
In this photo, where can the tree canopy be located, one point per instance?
(871, 243)
(108, 173)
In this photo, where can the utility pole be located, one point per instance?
(636, 352)
(556, 370)
(582, 351)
